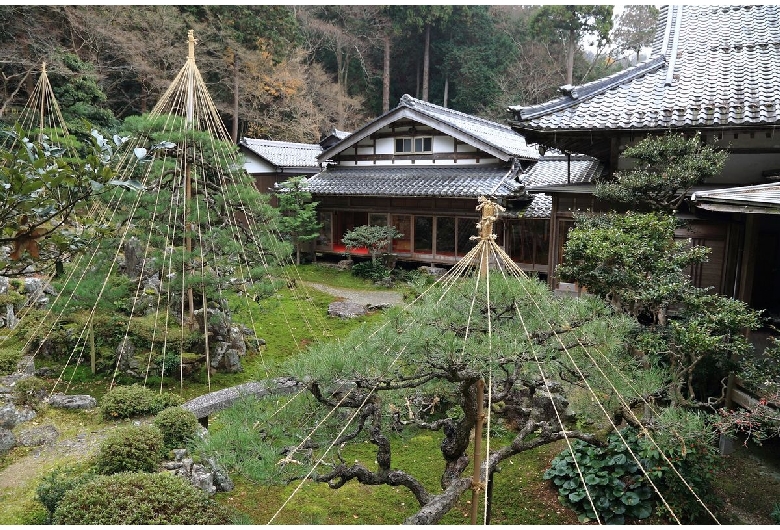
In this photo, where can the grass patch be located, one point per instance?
(313, 272)
(288, 321)
(520, 496)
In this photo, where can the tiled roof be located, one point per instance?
(410, 181)
(499, 135)
(539, 208)
(759, 196)
(497, 139)
(284, 154)
(554, 171)
(711, 66)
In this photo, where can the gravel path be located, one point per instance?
(365, 298)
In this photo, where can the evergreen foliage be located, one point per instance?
(139, 499)
(375, 238)
(177, 425)
(634, 262)
(30, 392)
(136, 400)
(666, 168)
(420, 371)
(621, 478)
(298, 219)
(55, 484)
(44, 200)
(130, 449)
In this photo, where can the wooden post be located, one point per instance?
(490, 211)
(187, 176)
(92, 353)
(476, 483)
(43, 85)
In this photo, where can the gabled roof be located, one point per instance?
(410, 181)
(494, 138)
(284, 154)
(711, 66)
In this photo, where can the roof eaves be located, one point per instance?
(385, 119)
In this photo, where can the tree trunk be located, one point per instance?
(339, 84)
(446, 90)
(571, 46)
(386, 77)
(235, 99)
(426, 62)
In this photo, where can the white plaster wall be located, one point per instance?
(255, 164)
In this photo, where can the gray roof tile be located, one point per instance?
(410, 181)
(554, 171)
(496, 134)
(284, 154)
(721, 70)
(761, 195)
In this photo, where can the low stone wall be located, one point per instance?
(207, 404)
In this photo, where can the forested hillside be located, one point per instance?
(294, 72)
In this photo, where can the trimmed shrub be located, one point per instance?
(136, 400)
(177, 425)
(30, 391)
(56, 484)
(140, 499)
(130, 449)
(8, 361)
(371, 271)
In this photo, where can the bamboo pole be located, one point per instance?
(476, 483)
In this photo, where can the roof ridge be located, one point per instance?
(413, 103)
(282, 143)
(580, 93)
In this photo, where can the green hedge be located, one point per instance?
(130, 449)
(140, 499)
(136, 400)
(177, 425)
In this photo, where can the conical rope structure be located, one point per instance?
(190, 227)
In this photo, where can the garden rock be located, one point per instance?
(221, 479)
(37, 436)
(11, 321)
(209, 477)
(546, 404)
(345, 265)
(134, 261)
(203, 479)
(7, 441)
(10, 416)
(4, 284)
(75, 402)
(26, 366)
(36, 289)
(44, 371)
(125, 358)
(227, 345)
(433, 271)
(346, 309)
